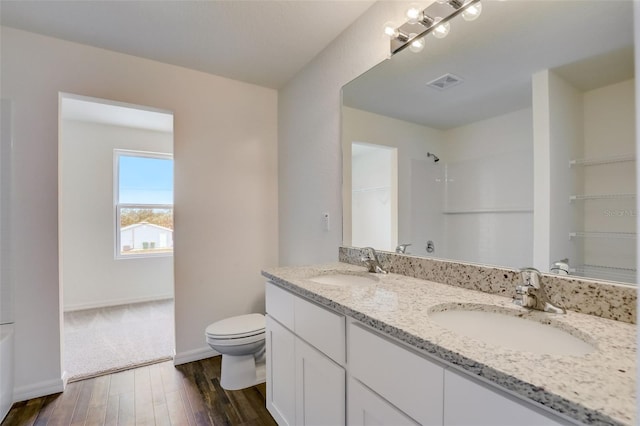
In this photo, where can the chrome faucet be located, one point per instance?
(371, 260)
(532, 294)
(561, 267)
(402, 248)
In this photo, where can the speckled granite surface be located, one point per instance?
(601, 298)
(597, 388)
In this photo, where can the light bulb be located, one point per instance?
(390, 29)
(417, 44)
(472, 12)
(413, 13)
(441, 30)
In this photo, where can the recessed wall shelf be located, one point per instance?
(371, 189)
(618, 235)
(483, 211)
(602, 160)
(606, 272)
(601, 197)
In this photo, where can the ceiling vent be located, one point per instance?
(445, 82)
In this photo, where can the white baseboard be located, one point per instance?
(115, 302)
(65, 379)
(194, 355)
(37, 390)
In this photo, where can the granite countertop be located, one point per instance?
(597, 388)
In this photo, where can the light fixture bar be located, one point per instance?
(427, 23)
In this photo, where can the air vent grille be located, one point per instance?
(445, 82)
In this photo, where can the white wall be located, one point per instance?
(309, 148)
(6, 284)
(566, 137)
(90, 275)
(560, 105)
(225, 135)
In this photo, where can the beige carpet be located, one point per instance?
(105, 340)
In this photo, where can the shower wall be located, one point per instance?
(427, 220)
(488, 196)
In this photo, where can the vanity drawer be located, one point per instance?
(405, 379)
(321, 328)
(318, 326)
(279, 305)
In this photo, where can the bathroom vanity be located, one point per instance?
(346, 346)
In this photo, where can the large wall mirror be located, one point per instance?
(510, 142)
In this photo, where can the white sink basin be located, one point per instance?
(344, 280)
(509, 331)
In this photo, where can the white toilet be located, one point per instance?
(241, 341)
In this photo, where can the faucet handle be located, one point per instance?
(368, 253)
(531, 277)
(402, 248)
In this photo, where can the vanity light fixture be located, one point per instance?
(413, 13)
(417, 44)
(434, 19)
(441, 30)
(394, 33)
(472, 12)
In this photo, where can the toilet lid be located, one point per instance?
(236, 327)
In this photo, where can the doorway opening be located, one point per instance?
(374, 197)
(115, 223)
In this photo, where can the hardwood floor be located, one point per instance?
(158, 394)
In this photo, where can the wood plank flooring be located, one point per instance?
(158, 394)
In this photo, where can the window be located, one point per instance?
(143, 194)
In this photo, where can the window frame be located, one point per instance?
(117, 153)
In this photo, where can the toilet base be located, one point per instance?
(241, 371)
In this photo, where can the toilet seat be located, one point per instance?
(241, 342)
(249, 328)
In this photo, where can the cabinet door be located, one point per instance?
(366, 408)
(467, 402)
(280, 373)
(320, 388)
(405, 379)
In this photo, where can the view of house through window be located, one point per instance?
(143, 203)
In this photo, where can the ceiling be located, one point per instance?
(264, 42)
(589, 43)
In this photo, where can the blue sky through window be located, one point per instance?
(145, 180)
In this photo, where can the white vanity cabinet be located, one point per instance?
(305, 353)
(312, 381)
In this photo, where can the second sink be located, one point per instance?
(510, 331)
(344, 280)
